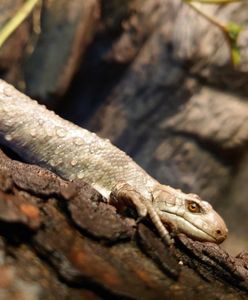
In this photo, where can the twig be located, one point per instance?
(14, 22)
(215, 1)
(206, 16)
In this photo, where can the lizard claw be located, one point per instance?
(123, 194)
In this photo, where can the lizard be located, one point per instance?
(40, 136)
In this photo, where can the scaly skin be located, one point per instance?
(40, 136)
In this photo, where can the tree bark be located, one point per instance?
(59, 240)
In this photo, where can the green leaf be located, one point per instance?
(232, 31)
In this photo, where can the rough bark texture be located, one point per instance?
(157, 81)
(60, 240)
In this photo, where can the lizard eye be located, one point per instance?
(193, 207)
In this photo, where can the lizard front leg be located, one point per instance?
(124, 194)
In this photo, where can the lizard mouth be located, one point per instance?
(189, 225)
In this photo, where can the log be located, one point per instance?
(61, 239)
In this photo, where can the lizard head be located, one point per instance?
(187, 213)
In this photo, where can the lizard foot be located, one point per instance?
(124, 194)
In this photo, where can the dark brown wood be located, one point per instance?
(60, 240)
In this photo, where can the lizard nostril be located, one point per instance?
(220, 235)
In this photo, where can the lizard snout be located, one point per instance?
(220, 234)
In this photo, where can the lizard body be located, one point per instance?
(40, 136)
